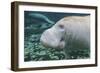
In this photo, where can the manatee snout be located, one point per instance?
(51, 39)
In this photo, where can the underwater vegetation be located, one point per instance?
(35, 24)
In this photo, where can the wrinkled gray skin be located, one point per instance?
(69, 33)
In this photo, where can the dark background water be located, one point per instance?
(34, 27)
(54, 16)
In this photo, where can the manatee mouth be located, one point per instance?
(61, 43)
(49, 43)
(62, 39)
(55, 43)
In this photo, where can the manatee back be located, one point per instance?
(77, 31)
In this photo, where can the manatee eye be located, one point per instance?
(61, 26)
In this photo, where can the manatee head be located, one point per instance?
(72, 31)
(54, 36)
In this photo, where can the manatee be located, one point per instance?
(37, 23)
(69, 33)
(41, 17)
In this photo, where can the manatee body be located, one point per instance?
(69, 33)
(41, 17)
(37, 23)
